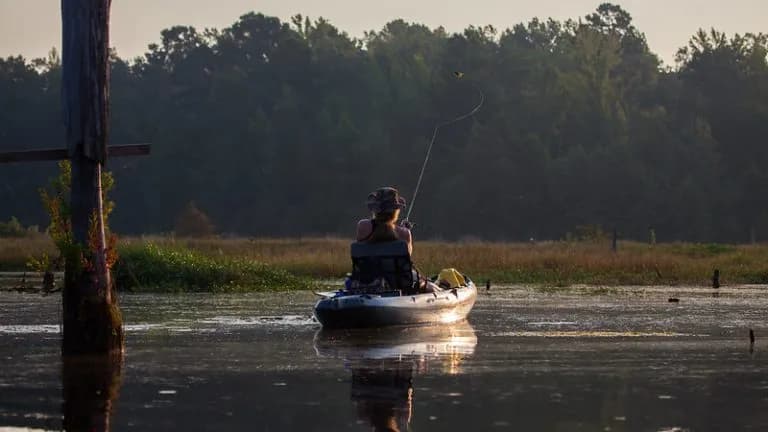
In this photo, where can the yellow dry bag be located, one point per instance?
(451, 277)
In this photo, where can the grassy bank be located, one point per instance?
(146, 266)
(202, 262)
(546, 263)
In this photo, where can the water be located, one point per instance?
(623, 359)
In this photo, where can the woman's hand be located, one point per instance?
(405, 223)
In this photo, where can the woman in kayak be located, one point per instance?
(385, 204)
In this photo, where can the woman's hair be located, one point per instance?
(387, 216)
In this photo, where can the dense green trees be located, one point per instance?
(280, 129)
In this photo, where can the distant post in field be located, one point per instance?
(615, 240)
(92, 321)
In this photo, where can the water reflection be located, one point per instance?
(384, 363)
(91, 388)
(620, 363)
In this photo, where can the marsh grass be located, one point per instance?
(15, 252)
(549, 263)
(554, 264)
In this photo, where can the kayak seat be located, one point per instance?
(389, 262)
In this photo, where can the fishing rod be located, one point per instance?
(432, 143)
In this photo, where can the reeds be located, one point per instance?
(15, 252)
(547, 263)
(550, 263)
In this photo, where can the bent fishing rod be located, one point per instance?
(432, 143)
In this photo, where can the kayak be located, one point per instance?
(345, 309)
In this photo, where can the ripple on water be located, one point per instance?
(590, 334)
(227, 321)
(30, 329)
(552, 323)
(277, 320)
(56, 328)
(20, 429)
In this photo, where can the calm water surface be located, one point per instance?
(623, 359)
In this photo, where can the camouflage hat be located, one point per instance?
(385, 199)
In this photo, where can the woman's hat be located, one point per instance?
(385, 199)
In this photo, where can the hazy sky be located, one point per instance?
(32, 27)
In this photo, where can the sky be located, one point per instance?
(32, 27)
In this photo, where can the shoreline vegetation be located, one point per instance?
(167, 264)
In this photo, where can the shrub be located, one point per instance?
(13, 228)
(590, 233)
(153, 267)
(193, 222)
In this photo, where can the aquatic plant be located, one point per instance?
(150, 267)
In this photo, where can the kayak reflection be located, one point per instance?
(385, 361)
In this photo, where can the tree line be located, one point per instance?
(282, 128)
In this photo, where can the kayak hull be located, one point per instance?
(366, 310)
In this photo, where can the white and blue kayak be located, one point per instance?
(385, 289)
(342, 309)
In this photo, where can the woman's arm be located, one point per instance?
(404, 234)
(364, 228)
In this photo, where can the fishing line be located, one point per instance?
(432, 142)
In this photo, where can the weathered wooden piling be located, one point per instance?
(716, 279)
(49, 281)
(488, 285)
(751, 337)
(615, 240)
(91, 318)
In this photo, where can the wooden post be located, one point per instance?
(92, 322)
(716, 279)
(615, 240)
